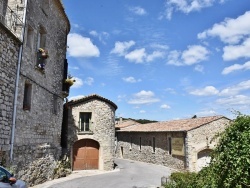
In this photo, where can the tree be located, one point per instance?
(230, 166)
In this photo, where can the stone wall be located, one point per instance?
(102, 127)
(38, 129)
(9, 48)
(128, 147)
(203, 138)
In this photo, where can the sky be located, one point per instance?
(162, 60)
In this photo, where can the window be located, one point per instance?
(4, 175)
(30, 37)
(55, 101)
(42, 53)
(153, 145)
(130, 143)
(41, 40)
(169, 146)
(140, 144)
(85, 121)
(27, 96)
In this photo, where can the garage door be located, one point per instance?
(85, 154)
(203, 158)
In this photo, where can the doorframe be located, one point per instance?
(99, 153)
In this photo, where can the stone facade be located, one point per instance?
(101, 129)
(9, 48)
(202, 139)
(180, 144)
(37, 139)
(129, 147)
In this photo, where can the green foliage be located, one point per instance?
(231, 159)
(230, 164)
(181, 180)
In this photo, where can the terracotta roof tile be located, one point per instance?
(126, 123)
(170, 126)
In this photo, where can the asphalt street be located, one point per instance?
(129, 174)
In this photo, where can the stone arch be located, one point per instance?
(85, 154)
(203, 158)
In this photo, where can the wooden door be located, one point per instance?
(85, 154)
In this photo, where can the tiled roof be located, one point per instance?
(90, 97)
(171, 126)
(126, 123)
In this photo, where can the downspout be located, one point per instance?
(17, 83)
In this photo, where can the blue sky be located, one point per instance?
(164, 59)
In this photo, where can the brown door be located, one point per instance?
(85, 154)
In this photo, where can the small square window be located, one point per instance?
(27, 96)
(30, 37)
(85, 121)
(153, 145)
(55, 104)
(169, 146)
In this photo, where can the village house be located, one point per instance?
(89, 128)
(183, 144)
(33, 70)
(10, 42)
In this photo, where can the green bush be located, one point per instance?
(181, 180)
(230, 163)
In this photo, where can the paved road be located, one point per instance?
(131, 174)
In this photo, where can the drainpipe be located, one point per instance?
(17, 82)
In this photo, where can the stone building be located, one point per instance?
(90, 133)
(32, 123)
(180, 144)
(9, 48)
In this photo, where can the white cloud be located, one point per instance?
(230, 31)
(80, 46)
(186, 6)
(233, 52)
(75, 67)
(174, 58)
(102, 36)
(199, 68)
(143, 97)
(159, 46)
(136, 56)
(194, 54)
(208, 90)
(170, 90)
(165, 106)
(122, 47)
(131, 79)
(138, 10)
(142, 111)
(76, 97)
(234, 100)
(93, 33)
(154, 55)
(78, 82)
(206, 113)
(89, 81)
(236, 89)
(236, 67)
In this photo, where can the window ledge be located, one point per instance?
(85, 133)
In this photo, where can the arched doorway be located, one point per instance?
(203, 158)
(85, 154)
